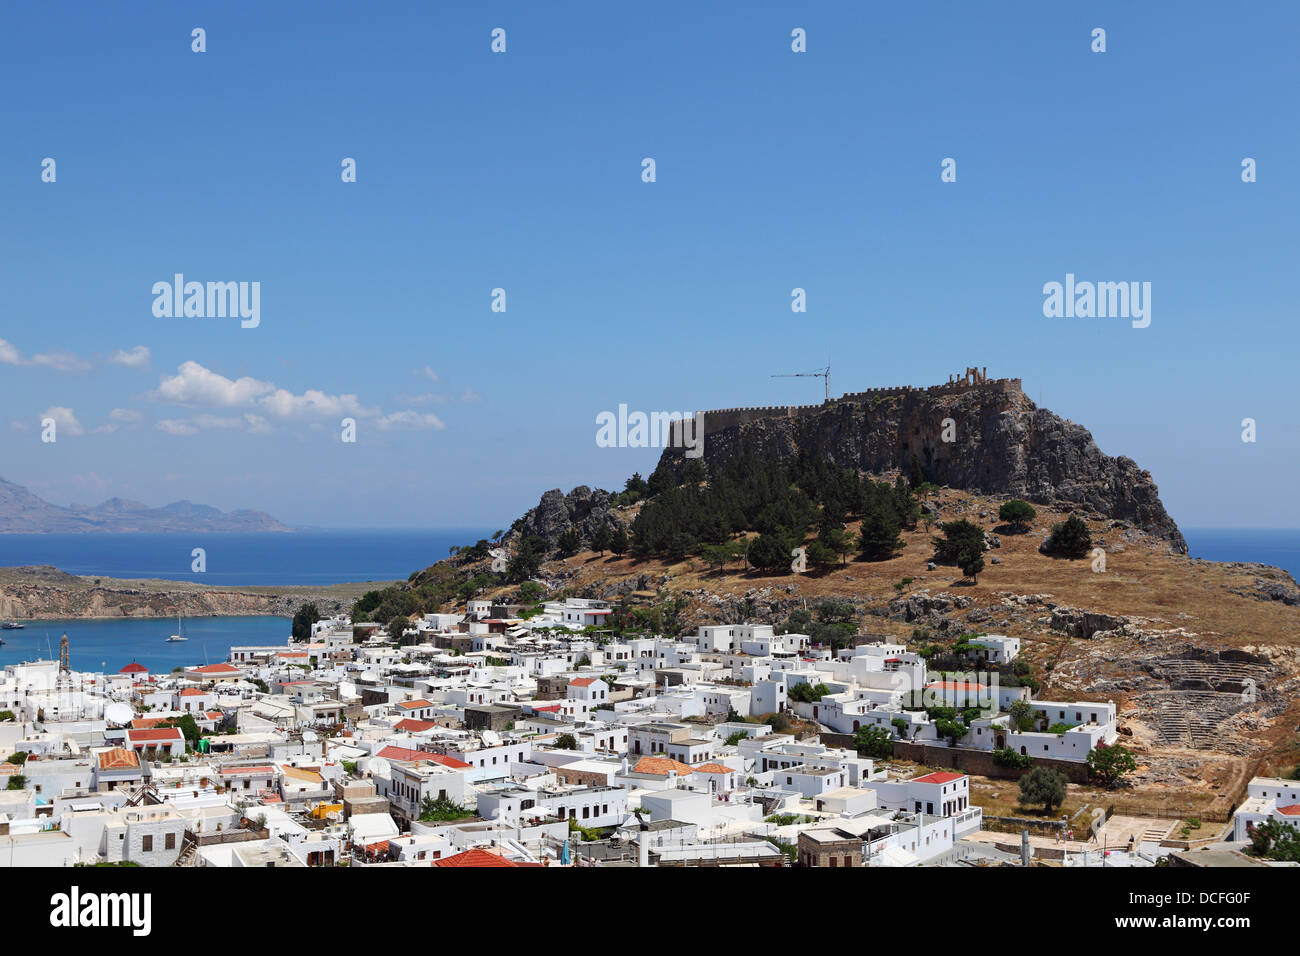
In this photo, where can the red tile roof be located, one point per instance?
(192, 692)
(1291, 811)
(661, 766)
(216, 669)
(941, 777)
(150, 734)
(145, 723)
(402, 754)
(476, 857)
(251, 771)
(415, 704)
(714, 768)
(413, 726)
(451, 762)
(582, 681)
(406, 755)
(119, 759)
(134, 668)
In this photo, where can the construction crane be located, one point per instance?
(822, 373)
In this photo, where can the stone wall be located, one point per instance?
(719, 418)
(980, 762)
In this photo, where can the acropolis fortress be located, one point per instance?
(973, 378)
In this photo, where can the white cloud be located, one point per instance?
(137, 357)
(128, 416)
(64, 420)
(264, 404)
(286, 405)
(427, 398)
(176, 426)
(63, 361)
(60, 361)
(469, 395)
(426, 372)
(195, 385)
(253, 424)
(410, 421)
(199, 387)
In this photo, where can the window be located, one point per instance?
(169, 842)
(146, 843)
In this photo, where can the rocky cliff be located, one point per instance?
(581, 508)
(1001, 444)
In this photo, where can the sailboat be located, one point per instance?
(179, 636)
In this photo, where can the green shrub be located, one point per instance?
(1069, 538)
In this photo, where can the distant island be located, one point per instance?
(22, 512)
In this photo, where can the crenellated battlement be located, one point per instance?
(974, 379)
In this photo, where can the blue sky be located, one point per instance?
(522, 171)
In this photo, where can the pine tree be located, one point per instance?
(1069, 538)
(568, 542)
(879, 535)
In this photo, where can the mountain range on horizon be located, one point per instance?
(22, 512)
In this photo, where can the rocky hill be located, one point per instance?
(44, 592)
(1001, 444)
(22, 512)
(582, 509)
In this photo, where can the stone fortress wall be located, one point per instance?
(974, 378)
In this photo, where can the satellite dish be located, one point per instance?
(119, 713)
(308, 736)
(491, 738)
(380, 767)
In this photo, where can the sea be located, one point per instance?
(300, 557)
(1279, 547)
(303, 558)
(323, 557)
